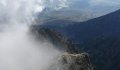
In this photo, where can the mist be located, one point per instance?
(18, 49)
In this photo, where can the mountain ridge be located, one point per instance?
(100, 37)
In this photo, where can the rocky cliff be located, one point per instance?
(58, 39)
(68, 61)
(72, 59)
(75, 62)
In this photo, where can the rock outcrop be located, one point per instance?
(68, 61)
(72, 59)
(75, 62)
(56, 38)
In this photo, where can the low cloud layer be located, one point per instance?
(18, 49)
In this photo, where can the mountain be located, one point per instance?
(65, 14)
(100, 37)
(105, 26)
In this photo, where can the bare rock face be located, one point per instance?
(74, 62)
(72, 59)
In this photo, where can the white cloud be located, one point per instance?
(18, 49)
(55, 4)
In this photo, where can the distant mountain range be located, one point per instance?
(100, 37)
(77, 15)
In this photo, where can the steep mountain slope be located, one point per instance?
(100, 37)
(105, 26)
